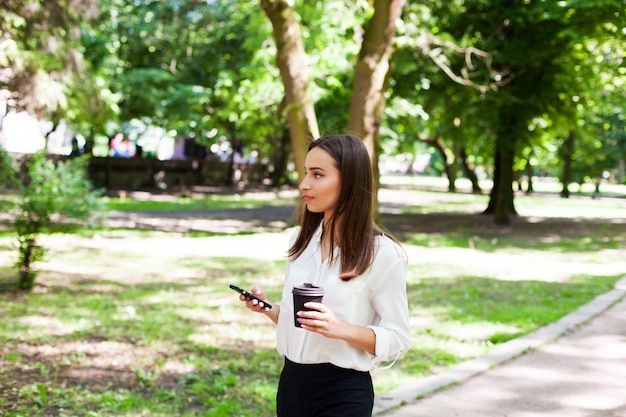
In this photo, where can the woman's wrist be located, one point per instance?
(273, 313)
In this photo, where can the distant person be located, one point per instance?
(597, 182)
(363, 319)
(120, 147)
(237, 152)
(77, 150)
(179, 149)
(253, 157)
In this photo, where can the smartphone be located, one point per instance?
(250, 296)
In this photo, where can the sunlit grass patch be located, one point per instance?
(200, 202)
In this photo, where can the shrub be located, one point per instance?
(54, 197)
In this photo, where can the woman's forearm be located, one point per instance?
(361, 337)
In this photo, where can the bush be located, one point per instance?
(55, 197)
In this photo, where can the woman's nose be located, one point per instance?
(304, 185)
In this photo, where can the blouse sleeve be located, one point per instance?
(389, 299)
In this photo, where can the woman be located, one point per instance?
(363, 319)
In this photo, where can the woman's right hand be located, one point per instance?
(254, 305)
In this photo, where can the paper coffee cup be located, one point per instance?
(303, 294)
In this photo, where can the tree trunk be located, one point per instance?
(232, 134)
(449, 161)
(469, 171)
(529, 174)
(367, 105)
(501, 197)
(620, 175)
(280, 161)
(567, 152)
(291, 61)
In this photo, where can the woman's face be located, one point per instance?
(321, 184)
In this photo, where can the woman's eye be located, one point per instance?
(314, 174)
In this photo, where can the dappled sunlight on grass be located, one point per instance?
(146, 317)
(514, 265)
(143, 312)
(50, 325)
(572, 208)
(463, 302)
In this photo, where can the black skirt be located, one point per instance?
(323, 390)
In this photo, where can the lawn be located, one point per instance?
(142, 323)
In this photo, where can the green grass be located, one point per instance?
(146, 331)
(134, 323)
(540, 185)
(140, 202)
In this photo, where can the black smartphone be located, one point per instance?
(250, 296)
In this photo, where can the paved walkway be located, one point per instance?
(575, 367)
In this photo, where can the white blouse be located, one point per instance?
(376, 299)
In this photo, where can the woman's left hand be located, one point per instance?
(322, 321)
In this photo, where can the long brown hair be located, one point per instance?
(353, 218)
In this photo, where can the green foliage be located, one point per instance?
(55, 197)
(190, 68)
(207, 69)
(554, 63)
(44, 71)
(8, 174)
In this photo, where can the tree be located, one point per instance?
(529, 42)
(601, 127)
(368, 83)
(201, 70)
(443, 78)
(44, 72)
(371, 75)
(291, 60)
